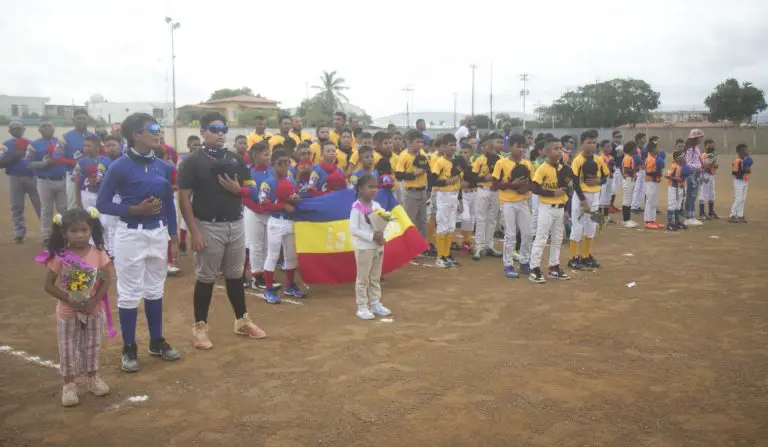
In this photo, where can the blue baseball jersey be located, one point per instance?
(352, 184)
(135, 181)
(18, 167)
(86, 174)
(268, 193)
(73, 145)
(42, 149)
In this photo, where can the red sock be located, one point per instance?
(269, 279)
(170, 256)
(182, 236)
(289, 277)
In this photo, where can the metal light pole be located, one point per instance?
(491, 124)
(455, 96)
(407, 91)
(173, 26)
(524, 92)
(473, 67)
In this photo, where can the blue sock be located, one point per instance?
(153, 309)
(128, 325)
(670, 217)
(701, 208)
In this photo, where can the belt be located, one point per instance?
(51, 177)
(423, 188)
(151, 225)
(484, 187)
(559, 205)
(282, 217)
(220, 219)
(470, 189)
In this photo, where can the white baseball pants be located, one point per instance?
(605, 193)
(534, 213)
(675, 198)
(628, 187)
(280, 234)
(582, 224)
(141, 261)
(447, 208)
(551, 224)
(516, 216)
(256, 238)
(487, 214)
(468, 213)
(616, 181)
(707, 188)
(651, 201)
(739, 197)
(637, 193)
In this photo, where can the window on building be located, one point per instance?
(233, 115)
(15, 110)
(158, 113)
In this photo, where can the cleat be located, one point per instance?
(294, 291)
(536, 276)
(271, 296)
(130, 361)
(555, 272)
(509, 272)
(160, 348)
(576, 263)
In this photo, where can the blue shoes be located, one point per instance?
(271, 296)
(509, 272)
(293, 290)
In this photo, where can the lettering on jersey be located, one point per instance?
(264, 193)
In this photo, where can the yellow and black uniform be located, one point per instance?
(486, 205)
(483, 166)
(277, 139)
(546, 180)
(344, 160)
(254, 138)
(335, 136)
(446, 195)
(585, 168)
(407, 164)
(316, 152)
(300, 136)
(506, 171)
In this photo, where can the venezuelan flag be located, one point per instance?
(324, 244)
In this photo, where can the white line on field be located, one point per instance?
(24, 356)
(130, 400)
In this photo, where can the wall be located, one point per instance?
(34, 105)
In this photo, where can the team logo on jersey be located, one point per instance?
(264, 192)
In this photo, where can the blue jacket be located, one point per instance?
(19, 167)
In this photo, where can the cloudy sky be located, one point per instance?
(68, 50)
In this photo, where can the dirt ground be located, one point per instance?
(470, 358)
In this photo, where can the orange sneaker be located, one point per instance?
(650, 226)
(200, 334)
(248, 328)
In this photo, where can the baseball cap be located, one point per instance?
(695, 133)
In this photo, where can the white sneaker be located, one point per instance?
(365, 313)
(69, 395)
(695, 222)
(443, 263)
(380, 310)
(173, 270)
(630, 224)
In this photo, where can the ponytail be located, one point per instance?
(57, 243)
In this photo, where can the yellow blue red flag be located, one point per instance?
(324, 244)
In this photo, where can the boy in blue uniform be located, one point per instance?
(45, 157)
(365, 155)
(21, 179)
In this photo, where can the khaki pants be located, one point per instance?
(224, 251)
(368, 285)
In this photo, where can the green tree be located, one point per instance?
(189, 115)
(314, 111)
(332, 90)
(364, 119)
(246, 117)
(603, 104)
(503, 117)
(734, 102)
(482, 121)
(230, 92)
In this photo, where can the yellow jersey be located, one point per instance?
(315, 153)
(442, 168)
(546, 176)
(300, 137)
(254, 138)
(407, 164)
(334, 136)
(343, 159)
(506, 171)
(589, 167)
(483, 166)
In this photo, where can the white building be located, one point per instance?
(116, 112)
(22, 106)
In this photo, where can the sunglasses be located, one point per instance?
(153, 128)
(282, 162)
(218, 128)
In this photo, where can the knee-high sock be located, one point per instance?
(128, 325)
(586, 247)
(625, 213)
(711, 207)
(439, 245)
(182, 236)
(670, 217)
(613, 199)
(448, 241)
(518, 240)
(236, 295)
(431, 230)
(574, 249)
(153, 309)
(701, 207)
(170, 256)
(290, 275)
(202, 300)
(269, 279)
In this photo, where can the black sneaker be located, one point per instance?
(455, 246)
(576, 263)
(257, 282)
(432, 251)
(453, 261)
(555, 272)
(160, 348)
(130, 361)
(671, 227)
(18, 240)
(591, 262)
(536, 276)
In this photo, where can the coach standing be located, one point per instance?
(73, 142)
(210, 183)
(45, 157)
(21, 179)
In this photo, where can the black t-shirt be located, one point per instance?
(210, 201)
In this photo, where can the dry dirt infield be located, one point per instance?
(471, 358)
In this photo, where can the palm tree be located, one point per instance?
(331, 90)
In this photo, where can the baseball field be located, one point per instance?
(469, 358)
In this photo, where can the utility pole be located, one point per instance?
(473, 67)
(524, 92)
(173, 26)
(455, 96)
(491, 124)
(407, 91)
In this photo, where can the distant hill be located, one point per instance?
(435, 120)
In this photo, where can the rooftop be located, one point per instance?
(245, 98)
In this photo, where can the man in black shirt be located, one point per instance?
(210, 184)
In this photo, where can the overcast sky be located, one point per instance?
(68, 50)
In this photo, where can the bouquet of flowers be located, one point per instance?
(380, 219)
(78, 278)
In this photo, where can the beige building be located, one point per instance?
(232, 107)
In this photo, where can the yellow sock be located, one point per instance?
(586, 249)
(448, 241)
(574, 247)
(439, 245)
(431, 230)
